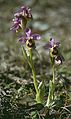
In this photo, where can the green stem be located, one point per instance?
(51, 89)
(53, 82)
(53, 73)
(49, 95)
(31, 64)
(33, 72)
(32, 67)
(25, 55)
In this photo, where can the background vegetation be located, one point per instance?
(51, 18)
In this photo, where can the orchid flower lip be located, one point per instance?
(59, 59)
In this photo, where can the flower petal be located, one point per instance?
(57, 44)
(16, 24)
(22, 39)
(36, 36)
(51, 43)
(28, 32)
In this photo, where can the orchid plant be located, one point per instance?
(27, 40)
(56, 59)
